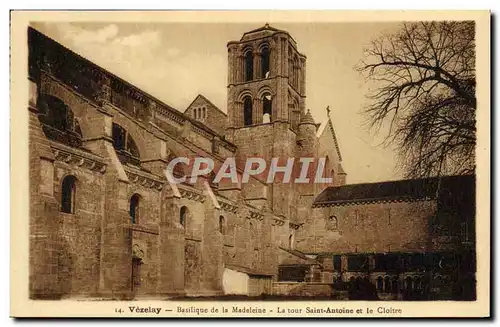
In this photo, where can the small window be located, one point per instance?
(337, 262)
(380, 283)
(267, 108)
(125, 147)
(68, 194)
(387, 284)
(265, 59)
(395, 285)
(134, 209)
(332, 223)
(119, 137)
(290, 241)
(204, 112)
(222, 227)
(248, 66)
(194, 113)
(247, 111)
(182, 216)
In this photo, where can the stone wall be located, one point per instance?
(302, 289)
(373, 227)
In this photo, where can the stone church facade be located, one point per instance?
(105, 222)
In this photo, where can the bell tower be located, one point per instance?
(266, 99)
(266, 79)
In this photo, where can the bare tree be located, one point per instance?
(425, 81)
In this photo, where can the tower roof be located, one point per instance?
(307, 119)
(263, 31)
(266, 27)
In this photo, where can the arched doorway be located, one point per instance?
(137, 262)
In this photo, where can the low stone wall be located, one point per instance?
(302, 289)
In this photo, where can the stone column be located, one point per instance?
(238, 114)
(371, 262)
(257, 111)
(344, 263)
(240, 72)
(44, 217)
(212, 252)
(256, 65)
(274, 55)
(116, 251)
(171, 249)
(303, 77)
(230, 71)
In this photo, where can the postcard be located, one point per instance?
(288, 164)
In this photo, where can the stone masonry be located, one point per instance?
(106, 222)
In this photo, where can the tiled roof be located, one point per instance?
(264, 28)
(401, 190)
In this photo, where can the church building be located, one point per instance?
(106, 222)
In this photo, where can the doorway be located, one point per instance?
(136, 274)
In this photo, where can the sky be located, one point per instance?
(177, 61)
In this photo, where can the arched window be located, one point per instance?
(265, 62)
(58, 121)
(194, 113)
(387, 284)
(68, 193)
(119, 137)
(290, 65)
(418, 284)
(183, 216)
(296, 72)
(267, 108)
(380, 283)
(332, 223)
(204, 113)
(248, 65)
(125, 146)
(290, 241)
(395, 285)
(134, 209)
(247, 111)
(222, 225)
(409, 283)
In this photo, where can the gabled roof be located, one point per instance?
(266, 27)
(296, 257)
(323, 127)
(246, 270)
(204, 98)
(271, 29)
(400, 190)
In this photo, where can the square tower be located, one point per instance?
(266, 79)
(266, 99)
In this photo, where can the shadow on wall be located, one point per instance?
(65, 266)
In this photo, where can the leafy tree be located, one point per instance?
(425, 84)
